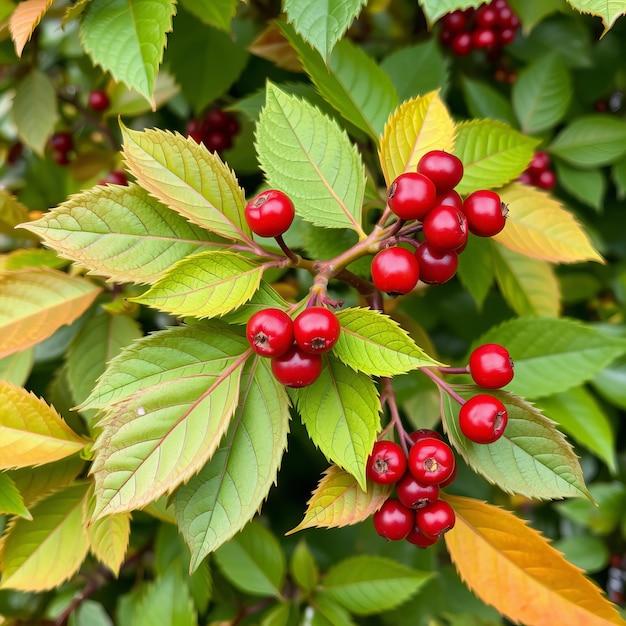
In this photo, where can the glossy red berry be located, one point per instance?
(296, 368)
(424, 433)
(451, 479)
(316, 330)
(462, 44)
(62, 141)
(486, 16)
(435, 519)
(484, 38)
(216, 118)
(485, 212)
(393, 520)
(411, 196)
(414, 494)
(539, 163)
(419, 539)
(270, 332)
(450, 198)
(386, 464)
(99, 100)
(436, 266)
(483, 418)
(454, 22)
(217, 140)
(443, 168)
(431, 461)
(491, 366)
(445, 227)
(395, 271)
(270, 213)
(546, 180)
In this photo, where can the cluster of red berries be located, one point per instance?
(489, 27)
(539, 172)
(62, 145)
(215, 129)
(445, 221)
(98, 100)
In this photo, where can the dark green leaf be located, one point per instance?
(588, 186)
(303, 567)
(476, 271)
(483, 100)
(584, 551)
(601, 518)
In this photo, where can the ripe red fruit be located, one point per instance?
(217, 140)
(414, 494)
(270, 332)
(462, 44)
(395, 271)
(484, 38)
(445, 227)
(491, 366)
(99, 100)
(435, 519)
(316, 330)
(443, 168)
(116, 177)
(424, 433)
(431, 461)
(419, 539)
(61, 158)
(450, 198)
(393, 520)
(485, 212)
(386, 464)
(539, 163)
(296, 368)
(454, 22)
(217, 119)
(451, 479)
(486, 16)
(483, 418)
(436, 266)
(62, 141)
(270, 213)
(546, 180)
(411, 195)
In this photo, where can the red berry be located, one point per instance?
(419, 539)
(15, 152)
(443, 168)
(99, 100)
(435, 519)
(431, 461)
(270, 332)
(485, 212)
(505, 37)
(546, 180)
(270, 213)
(450, 198)
(484, 38)
(116, 177)
(61, 158)
(393, 520)
(233, 125)
(386, 464)
(451, 479)
(486, 16)
(445, 227)
(539, 163)
(62, 141)
(526, 178)
(462, 44)
(491, 366)
(217, 140)
(411, 195)
(316, 330)
(414, 494)
(216, 119)
(395, 271)
(483, 418)
(296, 368)
(454, 22)
(436, 266)
(424, 433)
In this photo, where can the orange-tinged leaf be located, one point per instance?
(34, 303)
(25, 19)
(416, 127)
(512, 567)
(31, 432)
(539, 227)
(339, 501)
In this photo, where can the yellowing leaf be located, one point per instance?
(607, 10)
(512, 567)
(108, 539)
(539, 227)
(34, 303)
(31, 432)
(416, 127)
(339, 501)
(12, 213)
(25, 19)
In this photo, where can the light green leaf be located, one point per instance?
(371, 584)
(588, 186)
(253, 561)
(322, 24)
(11, 501)
(533, 12)
(532, 458)
(218, 13)
(608, 10)
(303, 567)
(108, 539)
(483, 100)
(16, 367)
(604, 514)
(122, 233)
(493, 154)
(341, 413)
(476, 268)
(306, 155)
(12, 213)
(208, 284)
(189, 179)
(89, 613)
(585, 551)
(228, 491)
(34, 110)
(127, 38)
(329, 612)
(373, 343)
(263, 298)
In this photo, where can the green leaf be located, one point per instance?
(493, 154)
(553, 355)
(476, 269)
(434, 9)
(604, 514)
(533, 12)
(311, 159)
(122, 233)
(16, 367)
(341, 413)
(608, 10)
(303, 567)
(618, 175)
(578, 413)
(584, 551)
(138, 29)
(541, 94)
(371, 584)
(373, 343)
(591, 141)
(483, 100)
(263, 298)
(322, 25)
(108, 539)
(89, 613)
(229, 490)
(11, 501)
(352, 82)
(253, 561)
(218, 13)
(12, 213)
(588, 186)
(155, 434)
(208, 284)
(532, 458)
(34, 110)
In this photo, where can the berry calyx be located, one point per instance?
(483, 418)
(485, 212)
(436, 266)
(393, 520)
(446, 227)
(444, 169)
(270, 332)
(270, 213)
(316, 330)
(297, 368)
(414, 494)
(395, 271)
(435, 519)
(431, 461)
(99, 100)
(386, 464)
(411, 195)
(491, 366)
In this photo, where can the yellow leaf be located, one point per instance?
(12, 213)
(539, 227)
(416, 127)
(31, 432)
(34, 303)
(25, 19)
(512, 567)
(339, 501)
